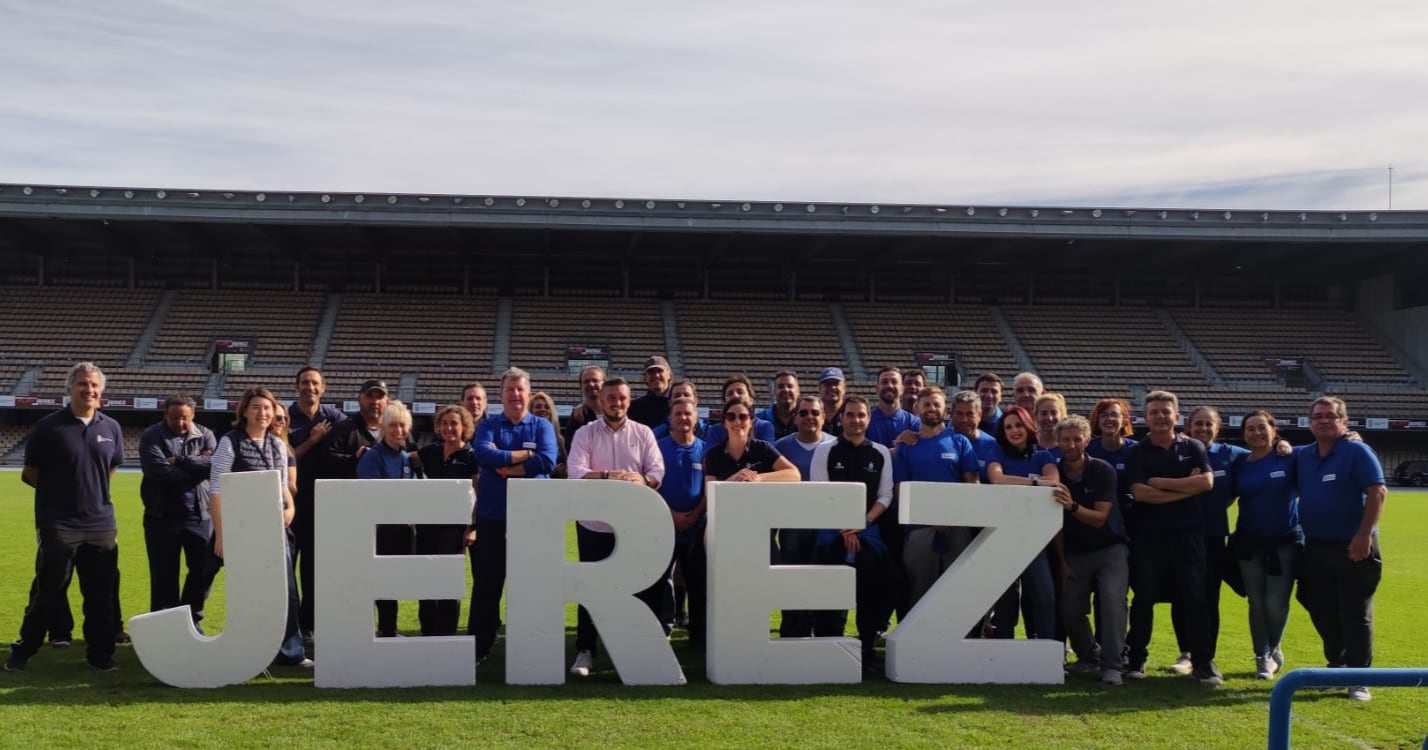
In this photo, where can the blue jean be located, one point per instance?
(1037, 592)
(1269, 597)
(291, 652)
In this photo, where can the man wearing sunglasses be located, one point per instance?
(795, 546)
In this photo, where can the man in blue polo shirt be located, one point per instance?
(309, 421)
(69, 458)
(683, 491)
(512, 444)
(1341, 497)
(780, 413)
(940, 455)
(967, 420)
(1167, 473)
(989, 390)
(889, 419)
(796, 546)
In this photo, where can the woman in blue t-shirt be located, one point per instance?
(1267, 537)
(1017, 460)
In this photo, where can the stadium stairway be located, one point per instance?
(851, 354)
(1192, 351)
(407, 387)
(1023, 360)
(25, 385)
(673, 348)
(501, 342)
(322, 339)
(140, 352)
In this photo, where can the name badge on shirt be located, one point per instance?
(950, 456)
(529, 446)
(1120, 467)
(1329, 478)
(1219, 472)
(1276, 474)
(697, 467)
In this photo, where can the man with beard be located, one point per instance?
(614, 448)
(781, 414)
(346, 443)
(888, 419)
(652, 409)
(855, 458)
(939, 455)
(967, 422)
(832, 387)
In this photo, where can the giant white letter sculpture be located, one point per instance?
(931, 645)
(350, 577)
(744, 588)
(256, 582)
(541, 581)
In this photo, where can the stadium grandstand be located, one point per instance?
(210, 292)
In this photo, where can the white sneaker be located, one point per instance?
(1277, 656)
(1182, 665)
(584, 662)
(1111, 676)
(1359, 693)
(1264, 668)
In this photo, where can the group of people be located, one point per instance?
(1148, 516)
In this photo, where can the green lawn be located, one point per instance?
(59, 702)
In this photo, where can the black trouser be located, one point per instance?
(1338, 595)
(440, 616)
(1177, 557)
(61, 627)
(692, 559)
(488, 578)
(1217, 556)
(796, 547)
(659, 597)
(392, 539)
(165, 540)
(302, 528)
(95, 556)
(875, 576)
(890, 530)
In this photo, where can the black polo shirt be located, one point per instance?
(74, 461)
(759, 455)
(1146, 460)
(1097, 484)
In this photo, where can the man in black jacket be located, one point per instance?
(174, 455)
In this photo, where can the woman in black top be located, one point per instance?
(448, 458)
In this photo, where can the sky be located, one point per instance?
(1265, 104)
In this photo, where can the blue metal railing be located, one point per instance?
(1282, 697)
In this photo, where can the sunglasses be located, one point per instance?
(809, 413)
(740, 417)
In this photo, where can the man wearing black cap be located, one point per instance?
(832, 386)
(652, 409)
(347, 441)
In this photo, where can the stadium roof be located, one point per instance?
(335, 238)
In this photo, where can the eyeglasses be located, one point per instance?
(739, 417)
(280, 419)
(809, 413)
(1324, 417)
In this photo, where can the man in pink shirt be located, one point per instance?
(611, 448)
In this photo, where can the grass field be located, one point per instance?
(59, 702)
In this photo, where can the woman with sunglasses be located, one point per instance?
(744, 458)
(280, 428)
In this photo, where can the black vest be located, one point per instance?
(249, 455)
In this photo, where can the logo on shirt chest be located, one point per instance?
(103, 439)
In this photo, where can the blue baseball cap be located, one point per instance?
(831, 373)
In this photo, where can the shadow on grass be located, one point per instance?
(63, 678)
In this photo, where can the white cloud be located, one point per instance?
(1271, 104)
